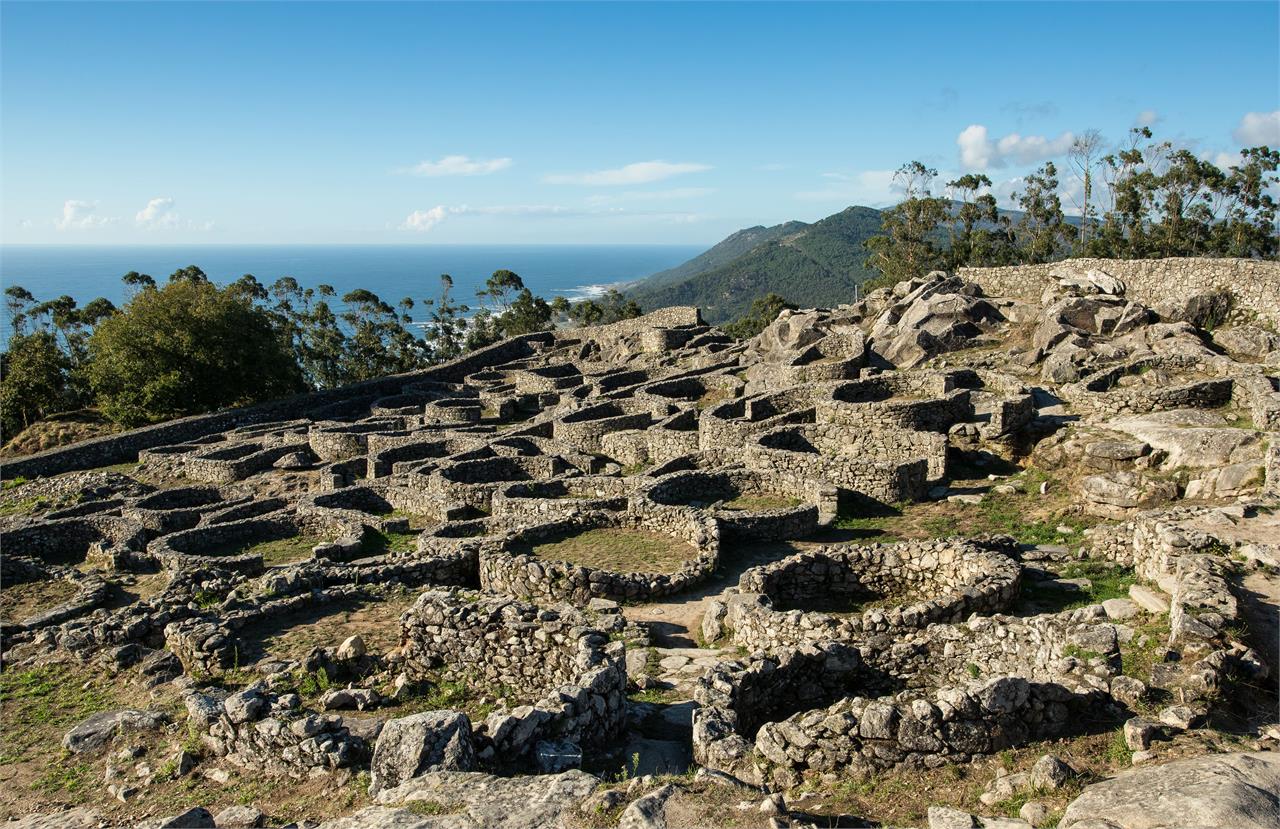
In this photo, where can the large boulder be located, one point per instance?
(410, 746)
(1246, 341)
(105, 725)
(1186, 443)
(1216, 791)
(937, 314)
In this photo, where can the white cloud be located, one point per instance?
(979, 152)
(158, 213)
(674, 194)
(641, 172)
(873, 188)
(1258, 128)
(80, 215)
(1146, 118)
(772, 167)
(423, 220)
(458, 165)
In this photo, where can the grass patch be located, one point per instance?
(377, 543)
(1006, 515)
(1106, 581)
(620, 550)
(280, 551)
(760, 503)
(457, 695)
(18, 601)
(38, 703)
(656, 696)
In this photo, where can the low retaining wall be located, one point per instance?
(1254, 282)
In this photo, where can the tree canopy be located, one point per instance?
(186, 348)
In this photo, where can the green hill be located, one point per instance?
(725, 251)
(809, 264)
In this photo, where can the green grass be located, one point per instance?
(656, 696)
(459, 695)
(69, 780)
(619, 550)
(868, 528)
(1106, 581)
(376, 543)
(1118, 753)
(760, 503)
(37, 700)
(13, 483)
(279, 551)
(313, 684)
(1007, 515)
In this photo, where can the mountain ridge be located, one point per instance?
(807, 263)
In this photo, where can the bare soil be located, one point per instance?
(18, 601)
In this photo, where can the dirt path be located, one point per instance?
(675, 622)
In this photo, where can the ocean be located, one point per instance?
(390, 271)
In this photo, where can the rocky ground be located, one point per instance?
(821, 652)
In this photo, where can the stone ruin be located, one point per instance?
(439, 500)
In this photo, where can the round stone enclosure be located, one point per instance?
(605, 555)
(251, 544)
(849, 592)
(747, 504)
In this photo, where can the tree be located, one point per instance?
(1043, 227)
(974, 241)
(33, 381)
(612, 307)
(188, 274)
(1083, 157)
(907, 246)
(499, 286)
(138, 281)
(525, 315)
(378, 343)
(446, 332)
(17, 300)
(764, 310)
(187, 348)
(1249, 224)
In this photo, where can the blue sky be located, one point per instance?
(170, 123)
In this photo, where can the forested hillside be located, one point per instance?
(817, 264)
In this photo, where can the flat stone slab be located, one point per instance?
(105, 725)
(1152, 601)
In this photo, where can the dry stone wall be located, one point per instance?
(1254, 283)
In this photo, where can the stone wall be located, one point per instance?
(559, 658)
(119, 448)
(948, 693)
(1254, 283)
(912, 584)
(271, 734)
(103, 540)
(506, 568)
(892, 467)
